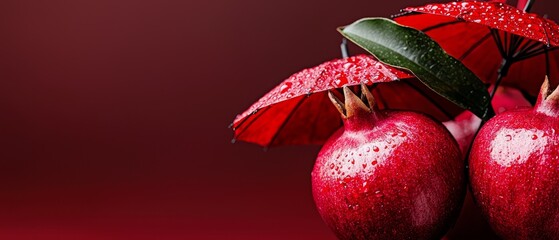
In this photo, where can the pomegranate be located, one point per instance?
(387, 174)
(514, 170)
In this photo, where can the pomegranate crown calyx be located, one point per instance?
(547, 93)
(548, 99)
(352, 104)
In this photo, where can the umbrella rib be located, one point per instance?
(447, 114)
(474, 46)
(262, 111)
(536, 52)
(546, 62)
(440, 25)
(506, 44)
(286, 120)
(531, 48)
(517, 43)
(527, 46)
(497, 39)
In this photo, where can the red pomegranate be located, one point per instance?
(514, 170)
(387, 174)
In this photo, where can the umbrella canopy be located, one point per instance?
(298, 110)
(494, 40)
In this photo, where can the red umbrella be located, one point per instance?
(494, 40)
(298, 111)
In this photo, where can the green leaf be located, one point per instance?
(413, 50)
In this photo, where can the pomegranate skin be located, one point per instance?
(514, 171)
(389, 175)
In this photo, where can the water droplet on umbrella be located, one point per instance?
(374, 162)
(285, 87)
(534, 137)
(376, 149)
(332, 166)
(508, 137)
(378, 193)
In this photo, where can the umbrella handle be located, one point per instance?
(525, 5)
(343, 48)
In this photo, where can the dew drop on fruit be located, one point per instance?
(352, 161)
(374, 162)
(332, 166)
(534, 137)
(368, 149)
(376, 149)
(378, 193)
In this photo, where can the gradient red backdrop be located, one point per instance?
(114, 115)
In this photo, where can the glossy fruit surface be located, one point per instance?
(388, 175)
(514, 170)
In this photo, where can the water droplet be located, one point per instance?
(534, 137)
(376, 149)
(368, 149)
(332, 166)
(378, 193)
(364, 165)
(508, 137)
(285, 87)
(402, 134)
(374, 162)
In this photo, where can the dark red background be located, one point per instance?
(114, 115)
